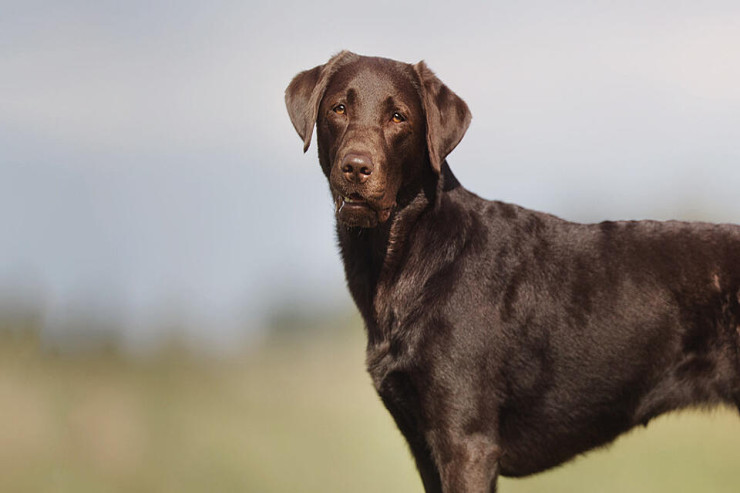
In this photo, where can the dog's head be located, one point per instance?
(382, 127)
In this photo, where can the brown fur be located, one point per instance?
(504, 340)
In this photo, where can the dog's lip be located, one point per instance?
(356, 201)
(354, 198)
(351, 199)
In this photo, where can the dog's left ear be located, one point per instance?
(447, 116)
(304, 93)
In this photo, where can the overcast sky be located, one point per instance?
(149, 173)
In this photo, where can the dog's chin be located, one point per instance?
(357, 216)
(360, 214)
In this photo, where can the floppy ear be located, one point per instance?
(447, 116)
(304, 93)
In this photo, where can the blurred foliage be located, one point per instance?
(295, 414)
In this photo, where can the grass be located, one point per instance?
(297, 415)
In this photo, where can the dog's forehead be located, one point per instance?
(375, 79)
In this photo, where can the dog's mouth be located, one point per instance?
(353, 199)
(357, 211)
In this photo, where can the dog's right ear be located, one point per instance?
(304, 93)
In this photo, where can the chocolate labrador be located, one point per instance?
(504, 340)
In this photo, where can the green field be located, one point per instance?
(295, 414)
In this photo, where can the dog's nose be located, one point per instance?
(357, 168)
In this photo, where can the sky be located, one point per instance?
(150, 178)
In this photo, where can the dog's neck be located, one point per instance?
(371, 256)
(364, 251)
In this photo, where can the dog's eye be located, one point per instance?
(339, 109)
(398, 118)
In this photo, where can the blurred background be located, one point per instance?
(173, 313)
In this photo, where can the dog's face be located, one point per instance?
(371, 137)
(382, 126)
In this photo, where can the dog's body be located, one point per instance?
(504, 340)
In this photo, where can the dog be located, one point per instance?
(504, 340)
